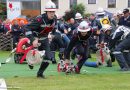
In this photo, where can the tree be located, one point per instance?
(3, 10)
(80, 8)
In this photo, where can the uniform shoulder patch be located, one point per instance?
(39, 18)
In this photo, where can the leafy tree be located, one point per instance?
(68, 15)
(3, 10)
(80, 8)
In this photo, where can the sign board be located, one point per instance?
(104, 21)
(13, 9)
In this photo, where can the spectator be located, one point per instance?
(7, 25)
(15, 31)
(1, 27)
(125, 20)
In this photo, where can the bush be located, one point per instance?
(80, 8)
(3, 10)
(68, 15)
(87, 14)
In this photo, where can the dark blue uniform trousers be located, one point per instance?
(122, 56)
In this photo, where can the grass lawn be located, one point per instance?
(102, 78)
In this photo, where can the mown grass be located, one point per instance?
(102, 78)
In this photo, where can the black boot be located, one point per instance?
(61, 53)
(54, 61)
(112, 57)
(42, 68)
(61, 56)
(30, 66)
(109, 63)
(53, 57)
(73, 55)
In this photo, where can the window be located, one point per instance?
(91, 1)
(128, 3)
(111, 3)
(72, 3)
(56, 2)
(33, 5)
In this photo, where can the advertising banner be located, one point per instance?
(13, 9)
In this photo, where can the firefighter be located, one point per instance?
(125, 19)
(78, 19)
(80, 42)
(38, 31)
(121, 51)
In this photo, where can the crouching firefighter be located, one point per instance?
(80, 42)
(38, 31)
(121, 50)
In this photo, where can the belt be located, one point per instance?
(42, 38)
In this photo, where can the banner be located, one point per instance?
(104, 21)
(13, 9)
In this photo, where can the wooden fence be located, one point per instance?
(5, 42)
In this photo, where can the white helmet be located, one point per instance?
(119, 12)
(83, 27)
(78, 16)
(50, 6)
(100, 11)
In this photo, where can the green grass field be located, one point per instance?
(102, 78)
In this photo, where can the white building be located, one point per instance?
(35, 7)
(90, 5)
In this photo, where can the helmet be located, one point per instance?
(119, 12)
(106, 27)
(83, 27)
(50, 6)
(100, 11)
(78, 16)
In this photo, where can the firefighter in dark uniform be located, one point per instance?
(56, 43)
(102, 18)
(93, 39)
(125, 20)
(78, 19)
(121, 51)
(80, 41)
(38, 31)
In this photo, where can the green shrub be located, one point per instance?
(80, 8)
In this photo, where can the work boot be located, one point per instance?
(42, 68)
(121, 61)
(61, 53)
(30, 66)
(53, 57)
(109, 63)
(54, 61)
(125, 69)
(41, 76)
(77, 71)
(73, 55)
